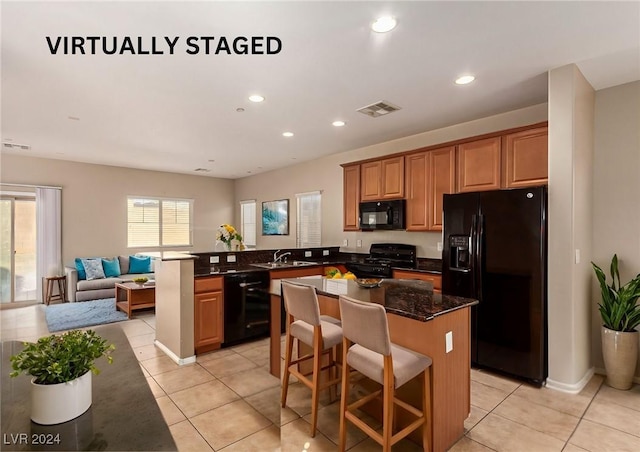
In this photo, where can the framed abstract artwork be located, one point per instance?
(275, 217)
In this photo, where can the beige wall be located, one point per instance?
(616, 191)
(326, 174)
(571, 106)
(94, 207)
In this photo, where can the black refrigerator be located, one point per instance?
(495, 250)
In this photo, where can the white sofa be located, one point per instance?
(95, 289)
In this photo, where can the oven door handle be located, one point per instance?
(249, 284)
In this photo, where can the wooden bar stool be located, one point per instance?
(321, 332)
(62, 289)
(376, 357)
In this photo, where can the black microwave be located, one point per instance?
(382, 215)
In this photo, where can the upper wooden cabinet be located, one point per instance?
(382, 179)
(506, 159)
(351, 192)
(442, 179)
(478, 165)
(417, 206)
(525, 158)
(429, 175)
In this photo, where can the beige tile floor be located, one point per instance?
(228, 401)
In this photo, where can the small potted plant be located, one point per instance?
(620, 315)
(61, 366)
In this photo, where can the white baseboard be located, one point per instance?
(179, 361)
(573, 388)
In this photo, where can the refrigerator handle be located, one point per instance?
(473, 251)
(478, 262)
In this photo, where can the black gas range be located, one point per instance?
(383, 257)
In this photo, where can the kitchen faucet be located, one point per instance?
(277, 258)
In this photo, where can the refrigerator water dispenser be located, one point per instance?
(459, 256)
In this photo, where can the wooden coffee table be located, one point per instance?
(131, 296)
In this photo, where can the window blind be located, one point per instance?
(309, 219)
(156, 222)
(248, 222)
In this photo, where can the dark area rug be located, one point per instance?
(68, 316)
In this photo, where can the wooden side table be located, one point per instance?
(62, 289)
(131, 296)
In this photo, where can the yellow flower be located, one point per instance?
(228, 234)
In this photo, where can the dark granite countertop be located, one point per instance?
(123, 415)
(217, 269)
(409, 298)
(433, 266)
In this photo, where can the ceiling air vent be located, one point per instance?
(16, 146)
(380, 108)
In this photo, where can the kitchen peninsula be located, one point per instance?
(430, 323)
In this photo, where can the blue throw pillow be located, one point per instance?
(80, 269)
(111, 267)
(139, 264)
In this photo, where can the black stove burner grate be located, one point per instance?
(382, 258)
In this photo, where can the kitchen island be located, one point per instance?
(433, 324)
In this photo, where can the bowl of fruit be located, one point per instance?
(140, 280)
(334, 273)
(369, 283)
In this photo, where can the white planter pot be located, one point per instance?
(620, 352)
(55, 404)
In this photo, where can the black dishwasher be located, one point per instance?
(246, 306)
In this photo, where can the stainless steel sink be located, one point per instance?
(302, 263)
(271, 265)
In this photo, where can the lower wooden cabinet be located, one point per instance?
(296, 272)
(208, 314)
(434, 279)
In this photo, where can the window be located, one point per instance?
(248, 222)
(159, 222)
(309, 219)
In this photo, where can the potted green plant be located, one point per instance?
(61, 367)
(620, 315)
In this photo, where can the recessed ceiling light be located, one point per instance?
(73, 118)
(384, 24)
(256, 98)
(239, 109)
(287, 134)
(338, 123)
(465, 79)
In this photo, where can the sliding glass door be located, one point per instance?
(17, 249)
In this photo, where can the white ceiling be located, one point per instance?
(178, 112)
